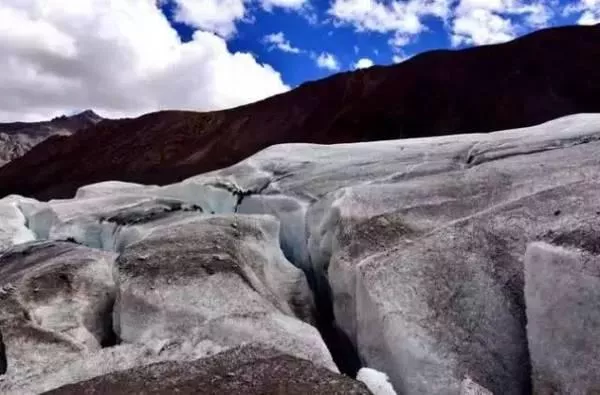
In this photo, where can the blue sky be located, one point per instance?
(124, 58)
(316, 28)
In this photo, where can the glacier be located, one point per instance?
(415, 251)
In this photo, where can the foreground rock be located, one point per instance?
(562, 291)
(246, 370)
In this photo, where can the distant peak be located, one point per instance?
(87, 114)
(86, 117)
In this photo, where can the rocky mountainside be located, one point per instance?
(457, 264)
(547, 74)
(17, 138)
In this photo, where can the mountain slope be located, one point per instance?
(16, 138)
(538, 77)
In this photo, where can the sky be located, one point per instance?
(124, 58)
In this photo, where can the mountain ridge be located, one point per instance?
(533, 79)
(17, 138)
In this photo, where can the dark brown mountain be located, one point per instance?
(16, 138)
(544, 75)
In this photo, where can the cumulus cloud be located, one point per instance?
(589, 11)
(278, 40)
(399, 40)
(327, 61)
(481, 22)
(217, 16)
(121, 58)
(268, 5)
(363, 63)
(470, 22)
(399, 58)
(403, 17)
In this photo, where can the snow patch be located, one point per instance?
(377, 382)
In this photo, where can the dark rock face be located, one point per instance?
(536, 78)
(246, 370)
(19, 137)
(2, 356)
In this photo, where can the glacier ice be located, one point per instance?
(377, 382)
(562, 291)
(13, 222)
(419, 242)
(217, 277)
(54, 302)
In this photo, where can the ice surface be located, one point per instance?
(110, 188)
(469, 387)
(562, 291)
(421, 242)
(401, 227)
(54, 302)
(13, 222)
(217, 277)
(291, 213)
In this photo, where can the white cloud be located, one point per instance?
(363, 63)
(483, 22)
(481, 26)
(399, 40)
(403, 17)
(589, 18)
(268, 5)
(327, 61)
(468, 21)
(399, 58)
(278, 40)
(218, 16)
(121, 58)
(589, 11)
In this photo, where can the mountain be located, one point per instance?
(533, 79)
(17, 138)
